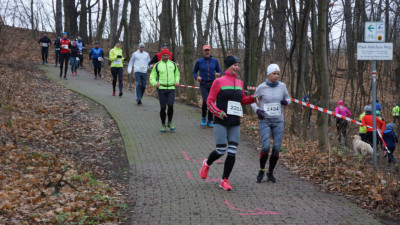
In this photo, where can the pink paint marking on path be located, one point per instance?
(257, 211)
(208, 179)
(200, 161)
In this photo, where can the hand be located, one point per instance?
(257, 100)
(119, 56)
(217, 75)
(176, 84)
(198, 78)
(260, 114)
(151, 66)
(177, 65)
(157, 85)
(223, 115)
(284, 102)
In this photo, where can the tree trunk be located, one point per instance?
(221, 39)
(100, 28)
(114, 23)
(123, 23)
(59, 28)
(279, 26)
(235, 27)
(70, 18)
(186, 22)
(166, 22)
(135, 28)
(199, 26)
(324, 73)
(83, 21)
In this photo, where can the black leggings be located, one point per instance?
(57, 53)
(117, 72)
(166, 97)
(97, 67)
(205, 90)
(64, 58)
(45, 53)
(341, 126)
(80, 60)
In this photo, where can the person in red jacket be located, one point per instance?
(65, 53)
(367, 120)
(228, 93)
(157, 57)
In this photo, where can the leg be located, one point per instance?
(162, 97)
(120, 73)
(138, 87)
(368, 138)
(170, 103)
(277, 129)
(265, 134)
(57, 54)
(233, 142)
(66, 65)
(114, 80)
(143, 83)
(204, 95)
(46, 53)
(62, 58)
(363, 137)
(43, 53)
(220, 136)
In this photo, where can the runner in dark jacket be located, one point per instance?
(57, 48)
(390, 138)
(45, 42)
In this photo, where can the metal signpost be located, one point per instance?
(376, 50)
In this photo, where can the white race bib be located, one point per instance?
(45, 45)
(235, 108)
(117, 61)
(64, 46)
(99, 59)
(77, 58)
(57, 49)
(273, 109)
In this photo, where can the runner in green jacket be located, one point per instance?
(396, 113)
(117, 67)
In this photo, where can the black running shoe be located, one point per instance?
(270, 177)
(260, 176)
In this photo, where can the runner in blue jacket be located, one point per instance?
(209, 70)
(96, 55)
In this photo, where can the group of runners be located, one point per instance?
(222, 99)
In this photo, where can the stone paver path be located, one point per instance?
(166, 185)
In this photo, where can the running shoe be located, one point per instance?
(210, 124)
(139, 102)
(171, 126)
(72, 74)
(204, 169)
(76, 73)
(225, 185)
(203, 122)
(113, 93)
(270, 177)
(260, 176)
(65, 78)
(163, 128)
(120, 94)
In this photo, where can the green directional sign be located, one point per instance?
(374, 32)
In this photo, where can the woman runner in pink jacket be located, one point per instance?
(341, 124)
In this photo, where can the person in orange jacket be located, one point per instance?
(367, 120)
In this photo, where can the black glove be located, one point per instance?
(284, 102)
(260, 114)
(119, 56)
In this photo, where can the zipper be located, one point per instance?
(166, 67)
(208, 69)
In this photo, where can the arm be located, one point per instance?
(177, 75)
(285, 96)
(212, 97)
(131, 61)
(112, 56)
(254, 105)
(246, 100)
(337, 110)
(153, 77)
(90, 54)
(217, 68)
(381, 124)
(195, 70)
(153, 60)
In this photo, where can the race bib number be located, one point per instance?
(142, 68)
(235, 108)
(45, 45)
(57, 49)
(273, 109)
(64, 46)
(77, 58)
(99, 59)
(117, 61)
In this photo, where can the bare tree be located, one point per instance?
(100, 27)
(165, 22)
(70, 17)
(114, 23)
(58, 17)
(135, 28)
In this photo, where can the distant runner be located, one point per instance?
(81, 47)
(117, 67)
(74, 58)
(209, 70)
(45, 42)
(65, 54)
(96, 55)
(139, 60)
(157, 57)
(57, 48)
(165, 77)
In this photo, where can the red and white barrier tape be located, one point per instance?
(187, 86)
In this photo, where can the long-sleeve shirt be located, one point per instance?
(45, 41)
(139, 60)
(207, 68)
(113, 56)
(270, 100)
(95, 53)
(367, 120)
(390, 138)
(223, 90)
(343, 111)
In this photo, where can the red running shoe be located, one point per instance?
(113, 93)
(225, 185)
(204, 169)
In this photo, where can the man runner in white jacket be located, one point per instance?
(139, 60)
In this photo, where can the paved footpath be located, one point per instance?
(166, 185)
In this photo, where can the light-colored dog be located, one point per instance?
(361, 147)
